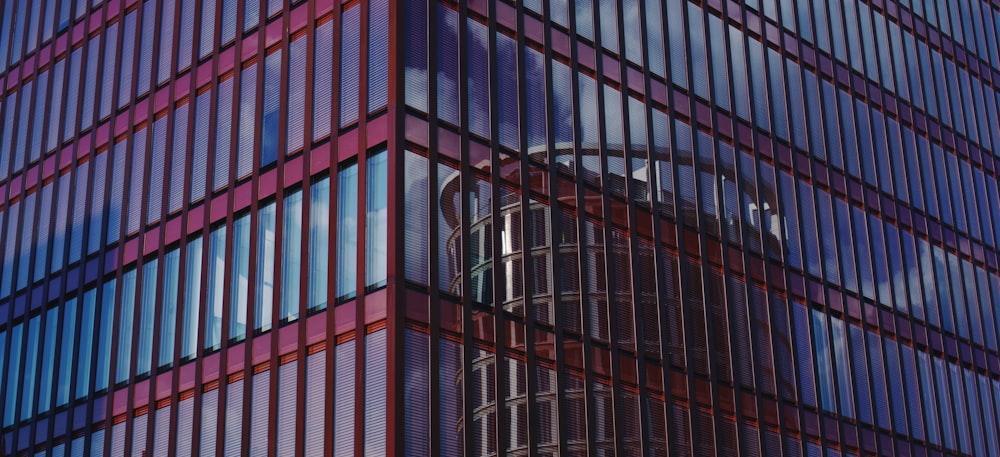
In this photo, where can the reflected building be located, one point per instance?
(526, 228)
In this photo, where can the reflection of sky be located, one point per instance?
(447, 79)
(479, 78)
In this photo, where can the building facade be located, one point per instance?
(426, 227)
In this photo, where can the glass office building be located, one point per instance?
(475, 228)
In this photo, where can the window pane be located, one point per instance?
(85, 342)
(248, 121)
(178, 157)
(192, 299)
(104, 338)
(416, 396)
(128, 57)
(375, 393)
(234, 419)
(79, 214)
(209, 427)
(272, 103)
(166, 37)
(343, 408)
(44, 223)
(216, 288)
(30, 365)
(251, 10)
(699, 51)
(147, 318)
(125, 327)
(13, 375)
(416, 54)
(264, 303)
(228, 24)
(11, 248)
(72, 95)
(350, 55)
(158, 163)
(146, 48)
(259, 419)
(416, 217)
(824, 367)
(478, 86)
(136, 181)
(287, 390)
(323, 80)
(207, 35)
(291, 257)
(378, 54)
(319, 243)
(376, 223)
(185, 46)
(38, 124)
(117, 191)
(223, 134)
(202, 126)
(185, 423)
(168, 312)
(240, 280)
(296, 93)
(347, 232)
(66, 352)
(48, 359)
(315, 402)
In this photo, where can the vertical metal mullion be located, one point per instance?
(682, 271)
(170, 88)
(633, 206)
(331, 339)
(396, 283)
(727, 259)
(582, 248)
(657, 232)
(308, 36)
(279, 203)
(433, 272)
(496, 217)
(614, 349)
(254, 258)
(361, 374)
(468, 332)
(124, 235)
(562, 373)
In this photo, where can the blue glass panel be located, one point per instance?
(347, 232)
(378, 54)
(106, 327)
(29, 380)
(168, 310)
(319, 243)
(240, 283)
(291, 257)
(13, 375)
(85, 343)
(67, 343)
(147, 318)
(264, 302)
(350, 55)
(377, 220)
(216, 289)
(192, 299)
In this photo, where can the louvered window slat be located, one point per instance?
(315, 403)
(185, 421)
(343, 412)
(234, 419)
(287, 376)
